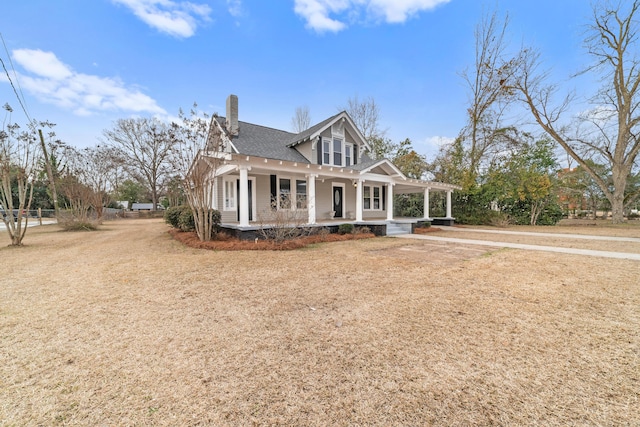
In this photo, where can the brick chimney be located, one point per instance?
(232, 115)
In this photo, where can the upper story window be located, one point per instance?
(337, 152)
(326, 151)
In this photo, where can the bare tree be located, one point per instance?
(301, 120)
(86, 184)
(200, 143)
(19, 157)
(366, 116)
(144, 145)
(608, 133)
(489, 84)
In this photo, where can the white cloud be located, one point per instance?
(51, 81)
(178, 19)
(234, 7)
(431, 145)
(317, 12)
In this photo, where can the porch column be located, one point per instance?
(311, 198)
(359, 200)
(389, 202)
(244, 196)
(215, 193)
(449, 203)
(426, 203)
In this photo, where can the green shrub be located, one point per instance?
(181, 217)
(172, 216)
(345, 229)
(216, 217)
(362, 230)
(185, 220)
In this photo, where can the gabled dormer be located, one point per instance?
(334, 142)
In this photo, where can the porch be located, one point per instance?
(377, 227)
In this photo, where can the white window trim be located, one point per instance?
(293, 193)
(331, 152)
(350, 145)
(371, 204)
(232, 182)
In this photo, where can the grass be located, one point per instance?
(127, 326)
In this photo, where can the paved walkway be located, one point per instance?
(32, 222)
(588, 252)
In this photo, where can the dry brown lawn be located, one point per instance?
(126, 326)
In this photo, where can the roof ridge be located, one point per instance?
(262, 126)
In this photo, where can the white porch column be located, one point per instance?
(359, 200)
(244, 196)
(215, 193)
(426, 203)
(389, 202)
(449, 203)
(311, 198)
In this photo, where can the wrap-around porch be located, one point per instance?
(320, 196)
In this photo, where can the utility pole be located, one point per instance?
(52, 183)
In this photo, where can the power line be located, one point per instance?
(20, 99)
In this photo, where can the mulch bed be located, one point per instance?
(224, 242)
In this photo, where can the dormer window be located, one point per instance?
(337, 151)
(326, 151)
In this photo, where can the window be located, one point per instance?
(326, 151)
(376, 198)
(337, 152)
(229, 194)
(285, 193)
(371, 197)
(301, 194)
(367, 197)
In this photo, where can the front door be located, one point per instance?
(338, 201)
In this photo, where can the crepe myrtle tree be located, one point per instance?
(199, 143)
(19, 157)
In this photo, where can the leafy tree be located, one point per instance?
(175, 192)
(608, 133)
(130, 191)
(522, 184)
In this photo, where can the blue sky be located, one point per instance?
(83, 64)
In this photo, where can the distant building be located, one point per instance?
(145, 207)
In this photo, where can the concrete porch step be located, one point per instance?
(396, 228)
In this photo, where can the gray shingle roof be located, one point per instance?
(302, 136)
(261, 141)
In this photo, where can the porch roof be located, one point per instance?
(264, 165)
